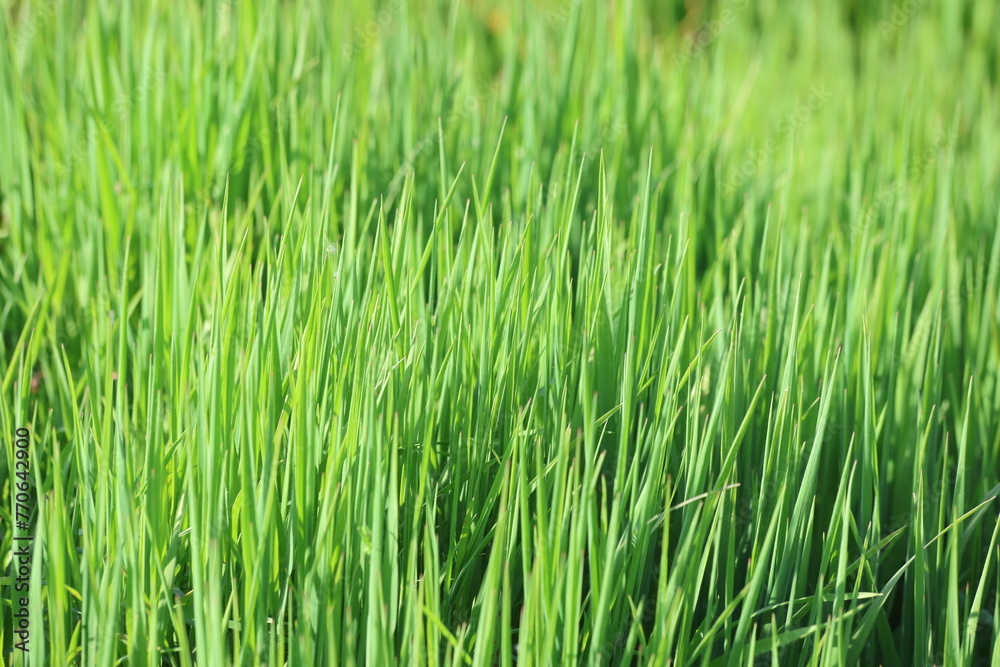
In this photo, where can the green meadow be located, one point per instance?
(500, 332)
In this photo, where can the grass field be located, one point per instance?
(491, 333)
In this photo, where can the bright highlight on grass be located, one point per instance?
(493, 333)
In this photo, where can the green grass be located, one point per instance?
(481, 333)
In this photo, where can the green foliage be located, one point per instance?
(485, 333)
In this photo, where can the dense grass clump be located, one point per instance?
(472, 332)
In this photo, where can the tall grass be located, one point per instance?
(490, 333)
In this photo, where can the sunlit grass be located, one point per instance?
(492, 333)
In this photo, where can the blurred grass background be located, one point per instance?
(527, 201)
